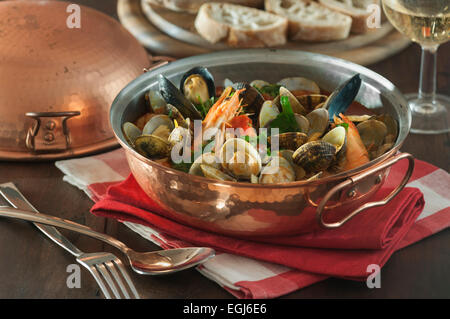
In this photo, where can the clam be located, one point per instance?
(391, 125)
(197, 85)
(279, 170)
(299, 171)
(336, 137)
(341, 98)
(295, 104)
(174, 96)
(302, 122)
(174, 114)
(179, 135)
(315, 156)
(152, 146)
(252, 100)
(240, 158)
(372, 134)
(159, 125)
(312, 101)
(155, 101)
(206, 159)
(290, 140)
(259, 84)
(131, 132)
(214, 173)
(269, 111)
(359, 118)
(318, 123)
(299, 84)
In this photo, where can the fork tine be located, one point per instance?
(112, 269)
(125, 276)
(99, 281)
(102, 269)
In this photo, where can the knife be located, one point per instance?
(13, 196)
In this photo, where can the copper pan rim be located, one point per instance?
(235, 54)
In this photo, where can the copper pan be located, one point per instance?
(58, 78)
(249, 210)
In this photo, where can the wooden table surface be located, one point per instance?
(31, 266)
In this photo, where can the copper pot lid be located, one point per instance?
(58, 78)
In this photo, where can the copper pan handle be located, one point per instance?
(354, 179)
(157, 62)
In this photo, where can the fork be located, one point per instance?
(107, 269)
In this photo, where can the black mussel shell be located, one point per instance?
(343, 96)
(173, 96)
(252, 100)
(205, 74)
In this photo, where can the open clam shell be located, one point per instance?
(269, 112)
(372, 134)
(160, 125)
(240, 158)
(152, 146)
(299, 84)
(214, 173)
(131, 132)
(279, 170)
(290, 140)
(295, 104)
(318, 123)
(206, 159)
(315, 156)
(312, 101)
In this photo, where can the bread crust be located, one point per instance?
(214, 31)
(192, 6)
(302, 30)
(359, 16)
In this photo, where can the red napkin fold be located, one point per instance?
(369, 238)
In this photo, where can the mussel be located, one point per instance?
(197, 85)
(252, 100)
(174, 96)
(341, 98)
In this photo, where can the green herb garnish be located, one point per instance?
(272, 89)
(344, 125)
(285, 121)
(203, 107)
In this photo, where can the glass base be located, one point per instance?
(429, 117)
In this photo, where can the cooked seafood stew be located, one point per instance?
(258, 132)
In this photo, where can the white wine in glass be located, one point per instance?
(426, 22)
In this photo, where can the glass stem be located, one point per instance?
(427, 84)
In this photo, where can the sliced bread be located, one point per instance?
(310, 21)
(192, 6)
(359, 10)
(240, 26)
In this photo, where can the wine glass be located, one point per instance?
(426, 22)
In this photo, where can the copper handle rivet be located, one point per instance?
(49, 137)
(50, 125)
(378, 179)
(351, 193)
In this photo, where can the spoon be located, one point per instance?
(145, 263)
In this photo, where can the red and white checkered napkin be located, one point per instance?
(246, 277)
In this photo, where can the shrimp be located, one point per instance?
(356, 153)
(221, 112)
